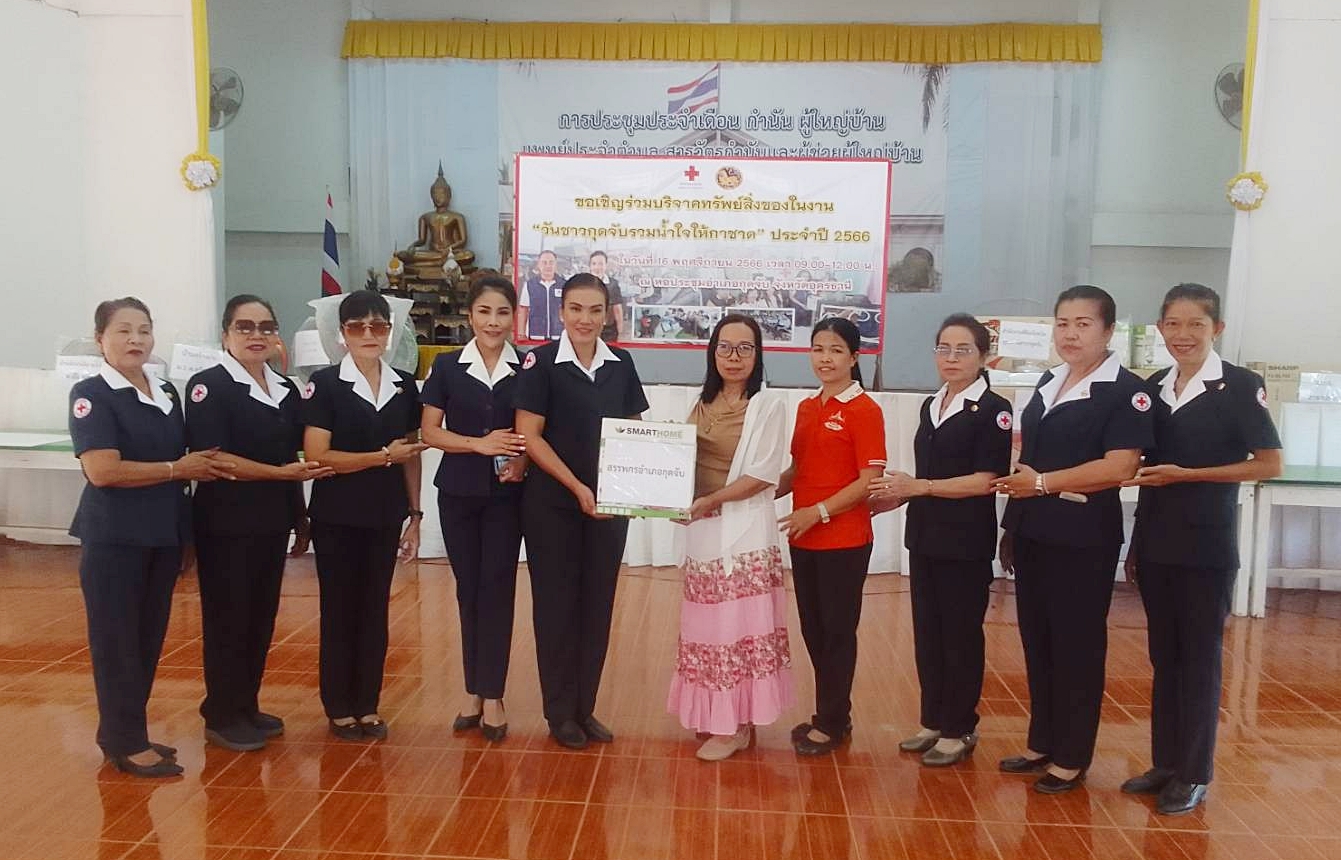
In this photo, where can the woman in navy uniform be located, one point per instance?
(1212, 432)
(468, 413)
(253, 416)
(1082, 435)
(573, 553)
(962, 445)
(134, 521)
(362, 420)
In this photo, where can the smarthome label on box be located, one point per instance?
(646, 468)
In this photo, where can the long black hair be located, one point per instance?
(712, 380)
(982, 338)
(851, 335)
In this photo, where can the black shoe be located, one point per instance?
(1049, 784)
(800, 730)
(347, 731)
(164, 750)
(238, 737)
(373, 727)
(466, 722)
(569, 734)
(268, 724)
(807, 747)
(164, 767)
(596, 731)
(494, 734)
(1180, 798)
(1150, 782)
(935, 758)
(1022, 764)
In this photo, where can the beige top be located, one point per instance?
(719, 430)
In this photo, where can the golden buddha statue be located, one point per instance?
(442, 237)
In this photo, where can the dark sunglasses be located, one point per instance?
(250, 327)
(378, 328)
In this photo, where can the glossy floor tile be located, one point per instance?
(426, 792)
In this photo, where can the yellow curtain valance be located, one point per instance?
(765, 43)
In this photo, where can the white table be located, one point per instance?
(1305, 486)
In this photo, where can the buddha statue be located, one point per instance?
(442, 237)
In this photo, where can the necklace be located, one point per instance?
(715, 416)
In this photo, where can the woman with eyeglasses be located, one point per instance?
(362, 420)
(838, 448)
(134, 525)
(733, 664)
(962, 445)
(1213, 431)
(1082, 434)
(253, 417)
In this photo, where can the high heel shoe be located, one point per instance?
(164, 767)
(935, 758)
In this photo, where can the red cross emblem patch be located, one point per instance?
(529, 361)
(1141, 401)
(1262, 398)
(308, 390)
(199, 393)
(1003, 420)
(82, 407)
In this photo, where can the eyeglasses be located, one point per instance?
(378, 328)
(250, 327)
(743, 350)
(943, 351)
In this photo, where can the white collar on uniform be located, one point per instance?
(567, 353)
(388, 389)
(974, 392)
(847, 395)
(116, 381)
(470, 355)
(273, 381)
(1106, 372)
(1211, 368)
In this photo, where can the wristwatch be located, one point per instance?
(1040, 486)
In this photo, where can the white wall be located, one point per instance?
(99, 112)
(1163, 153)
(1294, 303)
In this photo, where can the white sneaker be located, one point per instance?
(720, 747)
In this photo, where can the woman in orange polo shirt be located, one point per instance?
(838, 448)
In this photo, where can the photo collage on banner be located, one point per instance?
(763, 144)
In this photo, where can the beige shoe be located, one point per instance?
(721, 747)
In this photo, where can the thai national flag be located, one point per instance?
(330, 262)
(698, 93)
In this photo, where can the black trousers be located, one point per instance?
(127, 598)
(483, 537)
(240, 579)
(1062, 594)
(949, 603)
(828, 586)
(1185, 610)
(574, 562)
(354, 568)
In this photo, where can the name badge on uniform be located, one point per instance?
(558, 292)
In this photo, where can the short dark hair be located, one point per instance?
(594, 254)
(102, 316)
(848, 331)
(982, 338)
(585, 280)
(230, 309)
(1107, 307)
(712, 381)
(1207, 298)
(362, 303)
(547, 251)
(497, 283)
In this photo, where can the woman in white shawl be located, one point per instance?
(733, 666)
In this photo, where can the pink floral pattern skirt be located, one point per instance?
(733, 664)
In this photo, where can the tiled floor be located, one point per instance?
(427, 793)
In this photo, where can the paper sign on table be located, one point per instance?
(188, 359)
(1030, 341)
(646, 468)
(72, 368)
(308, 351)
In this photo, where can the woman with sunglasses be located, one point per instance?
(962, 445)
(838, 448)
(253, 417)
(362, 420)
(733, 664)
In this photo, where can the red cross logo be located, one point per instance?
(82, 407)
(1003, 420)
(691, 173)
(1141, 401)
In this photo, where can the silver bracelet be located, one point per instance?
(823, 512)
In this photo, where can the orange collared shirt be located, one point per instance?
(832, 443)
